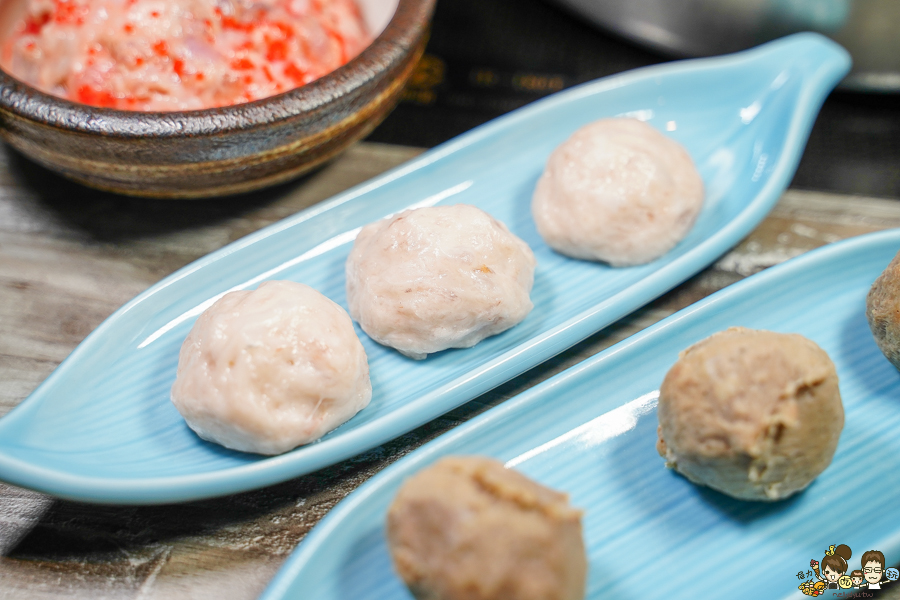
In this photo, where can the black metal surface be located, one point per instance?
(487, 57)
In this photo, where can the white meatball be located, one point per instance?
(268, 370)
(617, 191)
(439, 277)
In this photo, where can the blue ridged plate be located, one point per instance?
(650, 533)
(101, 427)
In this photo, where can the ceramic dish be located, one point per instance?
(221, 150)
(650, 533)
(101, 427)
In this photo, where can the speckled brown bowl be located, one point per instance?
(218, 151)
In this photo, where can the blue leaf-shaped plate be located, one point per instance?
(650, 533)
(101, 427)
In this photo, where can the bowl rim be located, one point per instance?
(406, 26)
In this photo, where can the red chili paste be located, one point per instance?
(165, 55)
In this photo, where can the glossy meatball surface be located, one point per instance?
(439, 277)
(267, 370)
(617, 191)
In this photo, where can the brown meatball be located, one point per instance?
(883, 311)
(754, 414)
(468, 528)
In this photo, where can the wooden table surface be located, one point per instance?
(69, 257)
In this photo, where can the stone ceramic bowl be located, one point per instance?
(194, 154)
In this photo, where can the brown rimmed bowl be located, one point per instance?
(219, 151)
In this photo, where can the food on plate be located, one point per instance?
(439, 277)
(617, 191)
(151, 55)
(468, 528)
(883, 311)
(754, 414)
(270, 369)
(812, 589)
